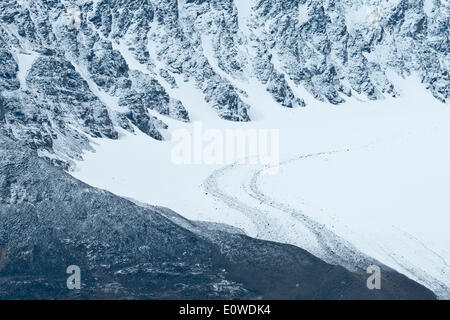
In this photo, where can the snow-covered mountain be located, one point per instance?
(72, 70)
(345, 81)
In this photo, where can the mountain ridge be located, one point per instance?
(76, 70)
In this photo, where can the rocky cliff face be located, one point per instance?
(75, 70)
(71, 70)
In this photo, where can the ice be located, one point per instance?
(383, 188)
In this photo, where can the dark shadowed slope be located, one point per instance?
(49, 220)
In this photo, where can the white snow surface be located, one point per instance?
(374, 174)
(25, 62)
(244, 8)
(428, 6)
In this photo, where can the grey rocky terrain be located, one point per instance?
(72, 70)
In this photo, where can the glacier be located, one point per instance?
(97, 89)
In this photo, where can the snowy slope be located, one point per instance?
(383, 188)
(358, 91)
